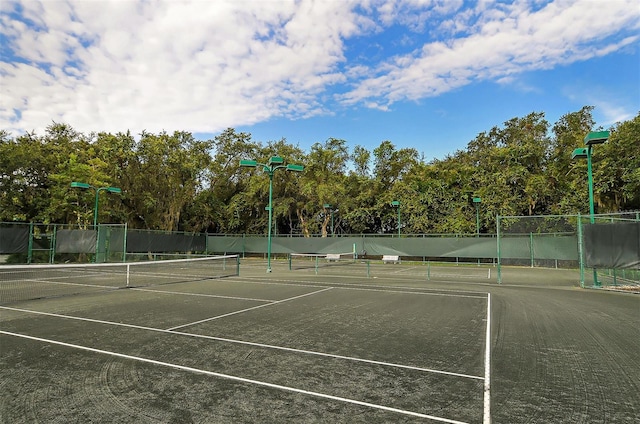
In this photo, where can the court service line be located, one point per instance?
(356, 286)
(413, 293)
(246, 310)
(202, 295)
(261, 281)
(254, 344)
(236, 378)
(32, 280)
(487, 366)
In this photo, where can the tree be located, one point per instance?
(567, 177)
(218, 207)
(390, 166)
(323, 182)
(167, 173)
(617, 168)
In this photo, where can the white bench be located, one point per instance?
(391, 258)
(333, 256)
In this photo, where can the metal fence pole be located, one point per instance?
(499, 277)
(30, 246)
(580, 251)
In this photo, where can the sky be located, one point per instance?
(423, 74)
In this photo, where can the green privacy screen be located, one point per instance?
(450, 246)
(612, 245)
(609, 245)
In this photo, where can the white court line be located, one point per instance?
(357, 285)
(242, 342)
(413, 293)
(247, 309)
(258, 280)
(487, 366)
(33, 280)
(398, 289)
(202, 295)
(407, 269)
(235, 378)
(422, 278)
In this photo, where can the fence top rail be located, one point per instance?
(577, 215)
(360, 235)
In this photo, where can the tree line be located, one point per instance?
(175, 182)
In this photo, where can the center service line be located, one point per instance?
(235, 378)
(245, 310)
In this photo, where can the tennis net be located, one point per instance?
(319, 260)
(28, 282)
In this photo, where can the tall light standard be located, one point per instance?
(590, 140)
(275, 163)
(330, 207)
(477, 201)
(396, 203)
(116, 190)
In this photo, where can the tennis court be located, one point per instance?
(334, 346)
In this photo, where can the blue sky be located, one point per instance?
(427, 74)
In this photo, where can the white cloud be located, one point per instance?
(203, 66)
(502, 41)
(611, 113)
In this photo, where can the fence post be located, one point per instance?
(580, 251)
(30, 246)
(499, 277)
(124, 243)
(531, 248)
(52, 244)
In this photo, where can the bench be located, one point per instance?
(333, 256)
(391, 258)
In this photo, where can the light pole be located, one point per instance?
(275, 162)
(117, 190)
(396, 203)
(330, 207)
(477, 201)
(590, 140)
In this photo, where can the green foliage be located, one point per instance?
(175, 182)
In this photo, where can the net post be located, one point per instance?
(368, 269)
(289, 261)
(237, 265)
(316, 267)
(429, 270)
(128, 274)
